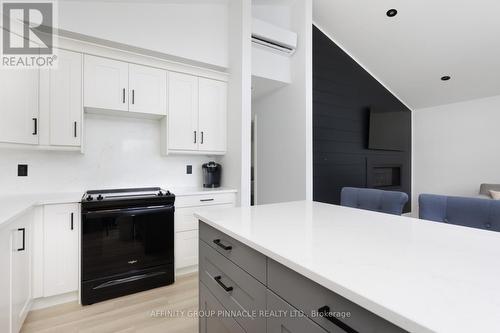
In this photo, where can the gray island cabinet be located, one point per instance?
(242, 290)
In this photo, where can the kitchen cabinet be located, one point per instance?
(182, 116)
(117, 85)
(61, 101)
(19, 114)
(61, 234)
(147, 90)
(16, 279)
(212, 115)
(186, 224)
(105, 83)
(196, 121)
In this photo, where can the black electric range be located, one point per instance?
(127, 242)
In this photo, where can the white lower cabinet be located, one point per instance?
(186, 224)
(61, 230)
(16, 253)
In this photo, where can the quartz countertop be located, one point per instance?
(184, 191)
(422, 276)
(11, 206)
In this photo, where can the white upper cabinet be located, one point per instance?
(117, 85)
(19, 92)
(64, 89)
(147, 90)
(182, 129)
(105, 83)
(196, 120)
(61, 248)
(212, 115)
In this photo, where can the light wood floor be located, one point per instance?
(127, 314)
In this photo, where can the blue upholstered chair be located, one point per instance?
(390, 202)
(470, 212)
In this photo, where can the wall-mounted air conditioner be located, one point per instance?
(270, 36)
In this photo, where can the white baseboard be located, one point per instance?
(186, 270)
(46, 302)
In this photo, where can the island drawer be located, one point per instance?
(313, 299)
(210, 321)
(282, 317)
(250, 260)
(237, 290)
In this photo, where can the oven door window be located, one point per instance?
(115, 242)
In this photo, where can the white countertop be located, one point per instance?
(184, 191)
(423, 276)
(12, 206)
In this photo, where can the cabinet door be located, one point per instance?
(186, 249)
(212, 115)
(147, 90)
(182, 112)
(212, 319)
(61, 243)
(65, 100)
(21, 270)
(290, 319)
(19, 92)
(105, 83)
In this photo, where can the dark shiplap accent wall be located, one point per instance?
(343, 93)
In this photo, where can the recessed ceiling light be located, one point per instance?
(392, 12)
(445, 78)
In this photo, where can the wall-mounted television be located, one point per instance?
(389, 130)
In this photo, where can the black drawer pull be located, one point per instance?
(35, 126)
(324, 312)
(225, 247)
(23, 230)
(72, 221)
(218, 280)
(205, 200)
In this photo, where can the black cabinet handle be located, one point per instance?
(74, 128)
(35, 126)
(72, 221)
(218, 280)
(205, 200)
(23, 230)
(324, 312)
(225, 247)
(194, 136)
(133, 96)
(123, 93)
(202, 137)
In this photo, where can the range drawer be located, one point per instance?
(235, 289)
(287, 318)
(310, 297)
(211, 321)
(250, 260)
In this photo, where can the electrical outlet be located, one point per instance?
(189, 169)
(22, 170)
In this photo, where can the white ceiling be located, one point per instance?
(426, 40)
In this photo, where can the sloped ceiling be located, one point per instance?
(426, 40)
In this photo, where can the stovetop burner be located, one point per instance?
(126, 197)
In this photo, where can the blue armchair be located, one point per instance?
(470, 212)
(390, 202)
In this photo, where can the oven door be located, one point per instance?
(125, 240)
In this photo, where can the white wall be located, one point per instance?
(195, 30)
(236, 162)
(456, 147)
(120, 152)
(284, 123)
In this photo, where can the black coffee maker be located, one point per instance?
(211, 174)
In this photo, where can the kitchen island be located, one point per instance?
(347, 270)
